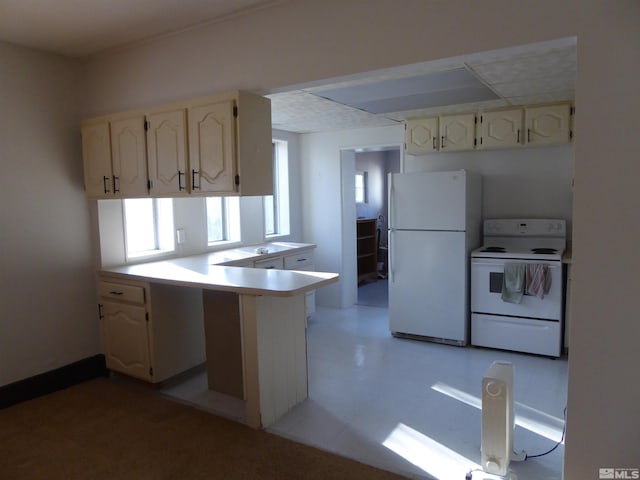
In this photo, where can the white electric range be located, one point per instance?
(535, 323)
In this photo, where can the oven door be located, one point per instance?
(486, 291)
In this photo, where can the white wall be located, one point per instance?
(523, 182)
(48, 315)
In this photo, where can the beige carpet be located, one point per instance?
(105, 430)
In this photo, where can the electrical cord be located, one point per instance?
(564, 429)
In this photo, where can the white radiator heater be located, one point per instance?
(497, 418)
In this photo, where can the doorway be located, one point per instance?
(372, 167)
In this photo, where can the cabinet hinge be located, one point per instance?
(146, 125)
(235, 111)
(571, 134)
(146, 316)
(237, 179)
(148, 184)
(475, 142)
(572, 111)
(151, 371)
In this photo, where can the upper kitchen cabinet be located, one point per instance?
(211, 147)
(129, 157)
(114, 156)
(444, 133)
(457, 132)
(501, 128)
(548, 124)
(421, 135)
(167, 152)
(96, 154)
(230, 145)
(215, 145)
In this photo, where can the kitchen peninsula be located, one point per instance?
(252, 320)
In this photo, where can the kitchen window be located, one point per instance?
(223, 220)
(148, 226)
(276, 206)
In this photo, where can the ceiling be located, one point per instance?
(530, 74)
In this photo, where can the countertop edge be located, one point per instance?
(321, 279)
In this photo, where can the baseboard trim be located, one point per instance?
(53, 380)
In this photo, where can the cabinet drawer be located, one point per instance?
(299, 261)
(269, 263)
(122, 292)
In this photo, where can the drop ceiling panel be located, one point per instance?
(422, 91)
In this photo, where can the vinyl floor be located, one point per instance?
(413, 407)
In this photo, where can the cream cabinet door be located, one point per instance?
(211, 148)
(129, 157)
(96, 156)
(421, 136)
(126, 339)
(457, 132)
(547, 124)
(502, 128)
(167, 152)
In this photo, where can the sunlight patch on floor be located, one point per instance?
(532, 419)
(427, 454)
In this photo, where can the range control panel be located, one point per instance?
(528, 227)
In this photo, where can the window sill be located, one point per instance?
(150, 255)
(223, 245)
(277, 236)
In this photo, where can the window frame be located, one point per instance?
(228, 230)
(164, 242)
(280, 208)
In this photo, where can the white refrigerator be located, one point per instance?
(434, 223)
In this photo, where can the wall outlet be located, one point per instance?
(181, 236)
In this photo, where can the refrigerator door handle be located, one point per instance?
(390, 200)
(390, 264)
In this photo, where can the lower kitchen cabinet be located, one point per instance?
(151, 331)
(126, 339)
(302, 261)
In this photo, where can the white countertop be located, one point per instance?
(205, 271)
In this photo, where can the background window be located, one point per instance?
(276, 206)
(223, 219)
(148, 226)
(361, 187)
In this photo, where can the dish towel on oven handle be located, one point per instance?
(538, 279)
(513, 282)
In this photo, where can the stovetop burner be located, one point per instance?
(544, 251)
(494, 249)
